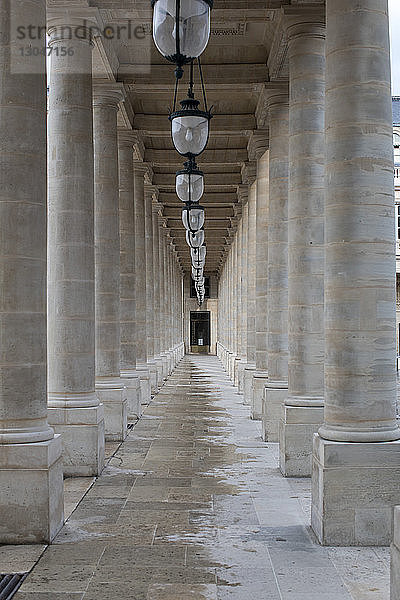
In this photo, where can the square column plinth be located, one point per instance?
(248, 383)
(260, 379)
(131, 381)
(82, 431)
(115, 403)
(275, 394)
(296, 433)
(355, 487)
(31, 492)
(395, 558)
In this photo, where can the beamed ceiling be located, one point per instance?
(236, 68)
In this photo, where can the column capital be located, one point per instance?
(73, 24)
(151, 191)
(306, 21)
(243, 193)
(145, 169)
(157, 207)
(258, 143)
(108, 94)
(249, 172)
(273, 94)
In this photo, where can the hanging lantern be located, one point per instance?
(190, 126)
(198, 254)
(195, 240)
(181, 29)
(190, 183)
(197, 274)
(193, 217)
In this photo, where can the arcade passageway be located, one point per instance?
(192, 506)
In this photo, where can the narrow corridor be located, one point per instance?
(193, 506)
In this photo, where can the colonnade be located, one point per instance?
(324, 380)
(112, 326)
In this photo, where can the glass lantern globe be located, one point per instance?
(197, 274)
(198, 254)
(190, 128)
(181, 28)
(195, 240)
(190, 183)
(193, 217)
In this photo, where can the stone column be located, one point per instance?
(356, 454)
(156, 208)
(110, 389)
(260, 375)
(238, 281)
(74, 409)
(303, 410)
(140, 282)
(276, 389)
(163, 333)
(245, 235)
(148, 195)
(31, 491)
(129, 375)
(251, 296)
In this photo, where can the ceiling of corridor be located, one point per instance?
(236, 67)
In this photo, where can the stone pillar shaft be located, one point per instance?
(129, 375)
(149, 274)
(30, 455)
(71, 266)
(262, 261)
(276, 389)
(358, 443)
(109, 387)
(304, 405)
(140, 265)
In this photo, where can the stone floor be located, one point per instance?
(192, 506)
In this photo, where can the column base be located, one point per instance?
(240, 374)
(133, 393)
(354, 489)
(235, 371)
(31, 492)
(82, 431)
(260, 379)
(296, 434)
(160, 370)
(248, 383)
(113, 395)
(395, 558)
(164, 359)
(231, 366)
(145, 384)
(275, 394)
(152, 368)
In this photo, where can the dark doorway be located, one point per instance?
(200, 332)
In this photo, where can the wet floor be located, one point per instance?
(193, 506)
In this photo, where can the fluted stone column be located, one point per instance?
(140, 282)
(156, 207)
(74, 409)
(260, 375)
(243, 312)
(129, 375)
(31, 490)
(276, 389)
(303, 411)
(109, 386)
(151, 364)
(251, 297)
(356, 454)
